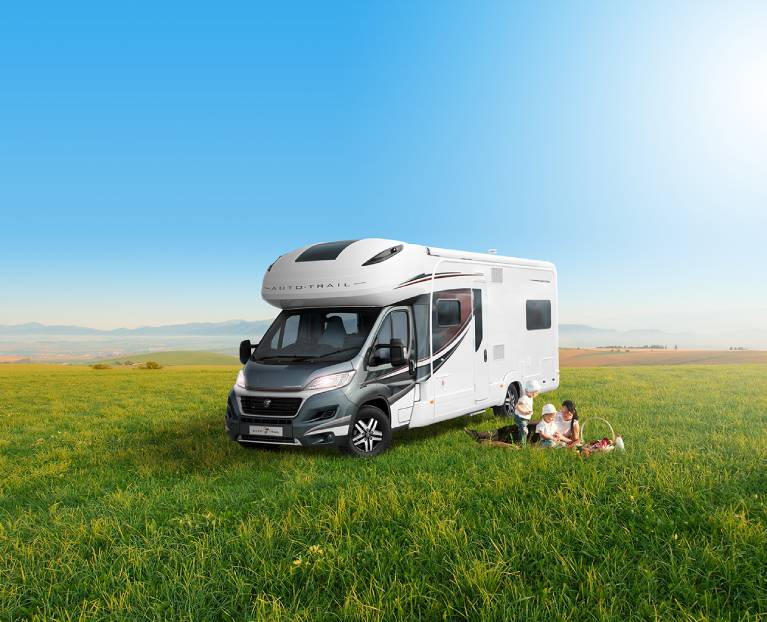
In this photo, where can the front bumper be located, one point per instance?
(322, 419)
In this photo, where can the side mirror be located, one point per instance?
(397, 348)
(246, 348)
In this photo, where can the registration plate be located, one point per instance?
(265, 430)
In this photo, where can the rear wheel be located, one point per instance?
(369, 433)
(509, 403)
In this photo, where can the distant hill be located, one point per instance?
(581, 328)
(241, 328)
(35, 328)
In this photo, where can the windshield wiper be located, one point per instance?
(322, 356)
(271, 357)
(303, 357)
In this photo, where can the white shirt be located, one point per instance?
(547, 428)
(563, 427)
(527, 403)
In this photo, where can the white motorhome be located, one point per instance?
(376, 335)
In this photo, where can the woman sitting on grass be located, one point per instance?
(567, 424)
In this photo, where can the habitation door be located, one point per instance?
(481, 375)
(453, 352)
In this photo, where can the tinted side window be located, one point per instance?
(538, 314)
(421, 321)
(448, 312)
(477, 302)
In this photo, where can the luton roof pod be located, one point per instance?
(375, 335)
(372, 272)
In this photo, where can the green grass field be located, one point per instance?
(122, 498)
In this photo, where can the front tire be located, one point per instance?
(369, 433)
(509, 403)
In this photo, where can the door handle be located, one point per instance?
(485, 355)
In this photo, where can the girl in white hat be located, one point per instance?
(547, 428)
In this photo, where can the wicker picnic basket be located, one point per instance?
(583, 428)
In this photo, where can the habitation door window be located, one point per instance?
(451, 311)
(448, 312)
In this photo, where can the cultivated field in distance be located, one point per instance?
(569, 357)
(122, 498)
(585, 357)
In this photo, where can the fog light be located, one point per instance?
(327, 413)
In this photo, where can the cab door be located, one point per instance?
(398, 383)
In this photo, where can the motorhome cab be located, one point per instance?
(376, 335)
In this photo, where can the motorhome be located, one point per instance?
(377, 335)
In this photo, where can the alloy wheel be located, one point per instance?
(367, 436)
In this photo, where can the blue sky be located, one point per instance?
(155, 158)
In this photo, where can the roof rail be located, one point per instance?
(488, 258)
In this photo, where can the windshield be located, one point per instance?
(306, 335)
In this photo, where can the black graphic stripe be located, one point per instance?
(439, 362)
(422, 278)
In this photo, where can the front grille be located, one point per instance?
(270, 406)
(267, 420)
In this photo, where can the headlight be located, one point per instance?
(332, 381)
(241, 380)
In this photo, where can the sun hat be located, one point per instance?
(532, 386)
(549, 409)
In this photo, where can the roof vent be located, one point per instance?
(384, 255)
(325, 251)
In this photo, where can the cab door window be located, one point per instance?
(396, 325)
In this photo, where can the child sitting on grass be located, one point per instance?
(547, 428)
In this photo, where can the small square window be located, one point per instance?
(538, 314)
(448, 312)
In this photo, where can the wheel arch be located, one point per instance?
(379, 402)
(508, 380)
(373, 395)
